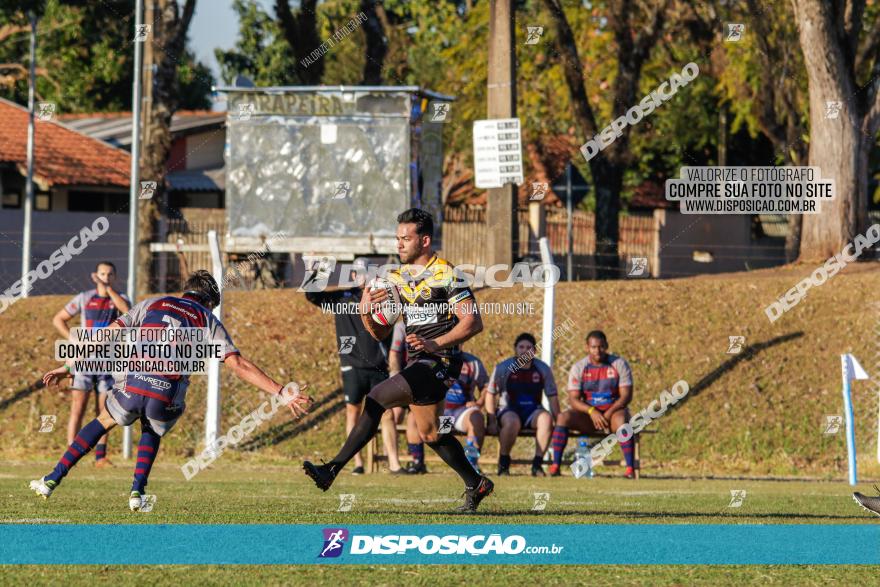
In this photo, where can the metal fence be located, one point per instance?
(464, 241)
(464, 237)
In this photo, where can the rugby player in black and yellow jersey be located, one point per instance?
(440, 314)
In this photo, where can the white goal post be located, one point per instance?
(212, 409)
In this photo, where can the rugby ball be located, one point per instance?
(388, 311)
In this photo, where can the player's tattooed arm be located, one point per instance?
(469, 324)
(395, 362)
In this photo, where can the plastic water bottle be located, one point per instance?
(472, 453)
(582, 456)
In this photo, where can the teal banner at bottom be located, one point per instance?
(473, 544)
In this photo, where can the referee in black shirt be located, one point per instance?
(362, 359)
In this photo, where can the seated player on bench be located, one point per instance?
(519, 382)
(600, 388)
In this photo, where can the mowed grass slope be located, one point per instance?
(762, 412)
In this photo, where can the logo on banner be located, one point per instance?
(541, 500)
(833, 424)
(735, 344)
(346, 501)
(446, 424)
(47, 422)
(334, 540)
(737, 497)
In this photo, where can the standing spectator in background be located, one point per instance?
(363, 360)
(98, 307)
(600, 387)
(517, 384)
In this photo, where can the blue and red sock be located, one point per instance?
(558, 442)
(627, 448)
(148, 447)
(84, 442)
(417, 452)
(473, 459)
(100, 452)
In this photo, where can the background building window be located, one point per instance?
(12, 200)
(43, 202)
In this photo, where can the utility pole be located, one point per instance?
(147, 101)
(134, 184)
(31, 138)
(502, 221)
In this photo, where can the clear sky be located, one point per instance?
(215, 24)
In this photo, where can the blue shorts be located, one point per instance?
(460, 414)
(526, 416)
(100, 383)
(127, 408)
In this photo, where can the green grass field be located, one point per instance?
(234, 494)
(759, 414)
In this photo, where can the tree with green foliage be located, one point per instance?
(840, 40)
(261, 52)
(636, 31)
(85, 60)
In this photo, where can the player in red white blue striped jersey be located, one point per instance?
(518, 384)
(599, 390)
(158, 400)
(98, 308)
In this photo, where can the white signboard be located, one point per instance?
(498, 152)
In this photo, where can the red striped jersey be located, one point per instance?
(473, 375)
(96, 311)
(599, 384)
(521, 387)
(171, 312)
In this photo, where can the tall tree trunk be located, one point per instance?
(837, 145)
(633, 46)
(301, 32)
(377, 45)
(608, 177)
(168, 36)
(795, 154)
(793, 237)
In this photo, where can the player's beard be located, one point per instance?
(407, 257)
